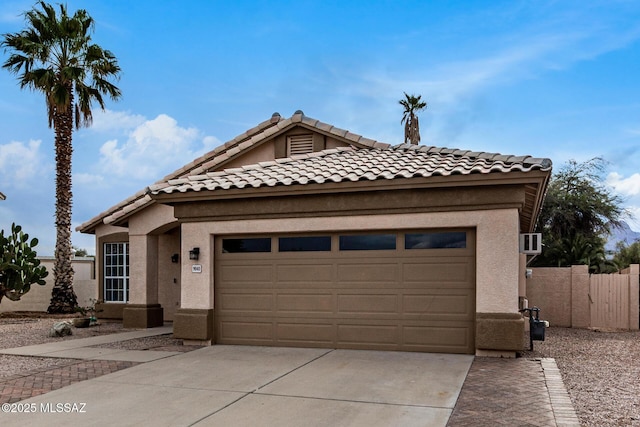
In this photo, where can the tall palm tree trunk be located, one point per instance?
(63, 298)
(412, 130)
(55, 55)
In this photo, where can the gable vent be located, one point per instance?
(299, 144)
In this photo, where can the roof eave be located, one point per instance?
(540, 196)
(452, 181)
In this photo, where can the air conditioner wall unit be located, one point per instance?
(531, 243)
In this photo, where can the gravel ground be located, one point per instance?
(601, 371)
(30, 331)
(24, 330)
(157, 343)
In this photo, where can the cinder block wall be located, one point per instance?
(563, 295)
(550, 290)
(38, 298)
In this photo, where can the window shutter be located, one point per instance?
(299, 144)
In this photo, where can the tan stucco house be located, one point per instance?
(298, 233)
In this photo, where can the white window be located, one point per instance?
(116, 272)
(299, 144)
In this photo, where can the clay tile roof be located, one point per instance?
(367, 159)
(348, 164)
(221, 154)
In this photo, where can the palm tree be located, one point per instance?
(54, 55)
(412, 105)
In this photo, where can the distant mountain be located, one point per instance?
(623, 233)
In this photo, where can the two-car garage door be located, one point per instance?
(412, 290)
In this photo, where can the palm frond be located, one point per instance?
(54, 53)
(411, 104)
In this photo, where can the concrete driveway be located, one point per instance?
(251, 386)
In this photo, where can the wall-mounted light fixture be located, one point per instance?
(175, 258)
(194, 254)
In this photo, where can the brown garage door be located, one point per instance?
(409, 291)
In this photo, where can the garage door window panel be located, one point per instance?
(305, 244)
(368, 242)
(248, 245)
(440, 240)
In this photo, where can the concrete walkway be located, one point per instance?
(247, 386)
(81, 348)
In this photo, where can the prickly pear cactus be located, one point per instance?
(19, 266)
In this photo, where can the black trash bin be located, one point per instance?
(536, 326)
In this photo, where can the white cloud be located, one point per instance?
(503, 57)
(627, 186)
(520, 57)
(209, 143)
(21, 164)
(153, 148)
(108, 121)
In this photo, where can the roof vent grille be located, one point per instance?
(299, 144)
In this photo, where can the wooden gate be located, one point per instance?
(614, 300)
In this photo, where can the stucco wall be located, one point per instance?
(38, 298)
(497, 258)
(263, 153)
(145, 230)
(550, 290)
(169, 273)
(562, 294)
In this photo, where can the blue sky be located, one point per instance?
(557, 79)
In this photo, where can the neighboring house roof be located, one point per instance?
(347, 164)
(365, 160)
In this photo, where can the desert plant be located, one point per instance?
(627, 254)
(91, 309)
(19, 266)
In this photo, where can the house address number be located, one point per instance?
(196, 268)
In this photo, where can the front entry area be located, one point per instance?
(412, 290)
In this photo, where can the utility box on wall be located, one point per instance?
(531, 243)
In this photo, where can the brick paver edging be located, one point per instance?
(33, 383)
(563, 409)
(513, 392)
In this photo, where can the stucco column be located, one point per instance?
(143, 310)
(499, 325)
(143, 269)
(634, 297)
(193, 322)
(498, 263)
(580, 305)
(522, 279)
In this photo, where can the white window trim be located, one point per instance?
(124, 277)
